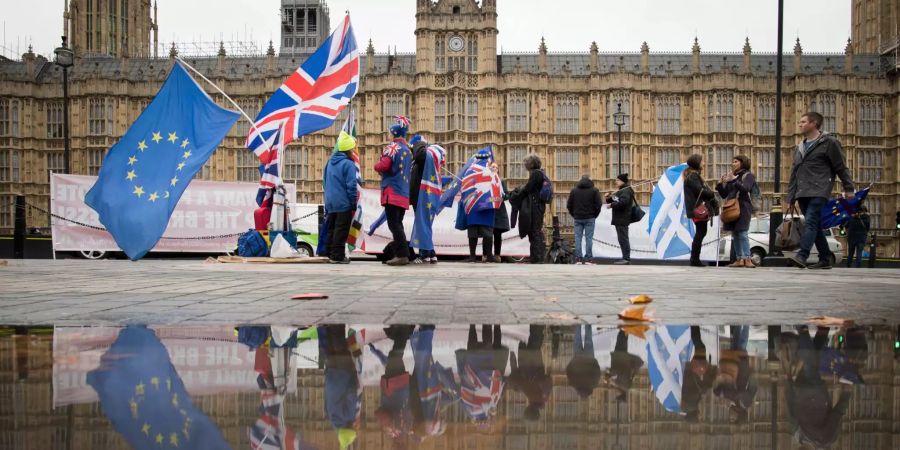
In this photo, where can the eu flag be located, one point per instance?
(145, 173)
(145, 400)
(839, 210)
(429, 198)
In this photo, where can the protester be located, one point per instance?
(432, 385)
(419, 154)
(480, 367)
(501, 218)
(583, 370)
(475, 212)
(699, 376)
(697, 194)
(736, 382)
(528, 374)
(341, 195)
(623, 367)
(395, 166)
(395, 414)
(817, 161)
(343, 390)
(584, 206)
(857, 234)
(528, 208)
(739, 184)
(621, 201)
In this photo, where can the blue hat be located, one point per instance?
(484, 153)
(400, 127)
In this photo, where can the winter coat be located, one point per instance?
(858, 228)
(739, 187)
(531, 209)
(621, 203)
(341, 186)
(584, 200)
(501, 218)
(810, 407)
(813, 175)
(694, 188)
(736, 364)
(395, 166)
(419, 152)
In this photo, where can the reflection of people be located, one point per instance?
(394, 413)
(816, 418)
(623, 367)
(343, 392)
(698, 378)
(528, 374)
(433, 386)
(736, 382)
(583, 371)
(481, 366)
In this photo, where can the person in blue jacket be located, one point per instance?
(341, 193)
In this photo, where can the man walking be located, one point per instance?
(395, 166)
(817, 161)
(584, 206)
(621, 202)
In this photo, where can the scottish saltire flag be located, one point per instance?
(670, 229)
(144, 399)
(838, 211)
(145, 173)
(308, 101)
(481, 187)
(429, 198)
(669, 348)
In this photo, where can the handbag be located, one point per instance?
(701, 212)
(636, 212)
(731, 210)
(789, 233)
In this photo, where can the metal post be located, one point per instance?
(19, 231)
(321, 214)
(67, 150)
(619, 127)
(773, 363)
(873, 249)
(776, 215)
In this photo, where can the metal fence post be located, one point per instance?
(19, 231)
(872, 250)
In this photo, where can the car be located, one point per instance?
(759, 243)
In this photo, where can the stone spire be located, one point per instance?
(542, 56)
(173, 52)
(271, 50)
(370, 57)
(798, 57)
(848, 57)
(695, 59)
(270, 58)
(747, 52)
(221, 60)
(645, 58)
(595, 57)
(221, 53)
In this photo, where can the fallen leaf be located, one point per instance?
(828, 321)
(559, 316)
(309, 296)
(551, 299)
(640, 299)
(4, 262)
(636, 330)
(635, 313)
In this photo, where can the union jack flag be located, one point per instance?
(481, 188)
(308, 101)
(480, 392)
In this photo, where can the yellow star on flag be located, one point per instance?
(185, 143)
(139, 191)
(156, 137)
(428, 205)
(139, 389)
(172, 137)
(169, 385)
(175, 400)
(173, 181)
(167, 195)
(134, 408)
(142, 145)
(131, 160)
(159, 438)
(173, 439)
(146, 429)
(186, 154)
(180, 166)
(155, 382)
(433, 178)
(131, 175)
(153, 197)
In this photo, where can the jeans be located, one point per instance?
(584, 341)
(812, 212)
(624, 243)
(338, 230)
(395, 224)
(855, 250)
(740, 336)
(584, 230)
(741, 242)
(697, 245)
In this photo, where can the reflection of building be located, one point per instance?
(28, 421)
(459, 91)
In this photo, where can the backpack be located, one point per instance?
(546, 193)
(252, 244)
(755, 199)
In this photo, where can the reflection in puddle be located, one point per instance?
(462, 386)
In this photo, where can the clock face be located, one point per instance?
(456, 43)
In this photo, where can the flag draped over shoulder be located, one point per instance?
(481, 187)
(838, 211)
(670, 229)
(144, 174)
(308, 101)
(429, 198)
(144, 399)
(669, 348)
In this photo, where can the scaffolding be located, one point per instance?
(210, 49)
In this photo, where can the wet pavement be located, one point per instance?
(189, 292)
(359, 386)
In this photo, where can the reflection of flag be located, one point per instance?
(429, 198)
(144, 399)
(669, 227)
(436, 385)
(838, 211)
(145, 173)
(669, 349)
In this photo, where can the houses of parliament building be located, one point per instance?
(460, 92)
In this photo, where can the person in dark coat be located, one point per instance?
(738, 184)
(584, 206)
(699, 376)
(501, 219)
(857, 234)
(528, 373)
(529, 210)
(583, 371)
(621, 202)
(623, 367)
(696, 193)
(736, 381)
(419, 151)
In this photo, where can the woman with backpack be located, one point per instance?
(699, 202)
(736, 188)
(529, 204)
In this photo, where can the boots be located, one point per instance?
(398, 261)
(748, 263)
(738, 263)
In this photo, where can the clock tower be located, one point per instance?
(456, 35)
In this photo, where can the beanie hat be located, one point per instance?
(345, 142)
(400, 126)
(623, 177)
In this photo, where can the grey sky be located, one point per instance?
(568, 25)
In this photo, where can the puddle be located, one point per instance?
(457, 386)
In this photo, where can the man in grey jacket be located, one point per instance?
(817, 161)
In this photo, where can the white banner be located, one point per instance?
(207, 208)
(447, 239)
(606, 243)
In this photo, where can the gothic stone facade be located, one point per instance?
(460, 92)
